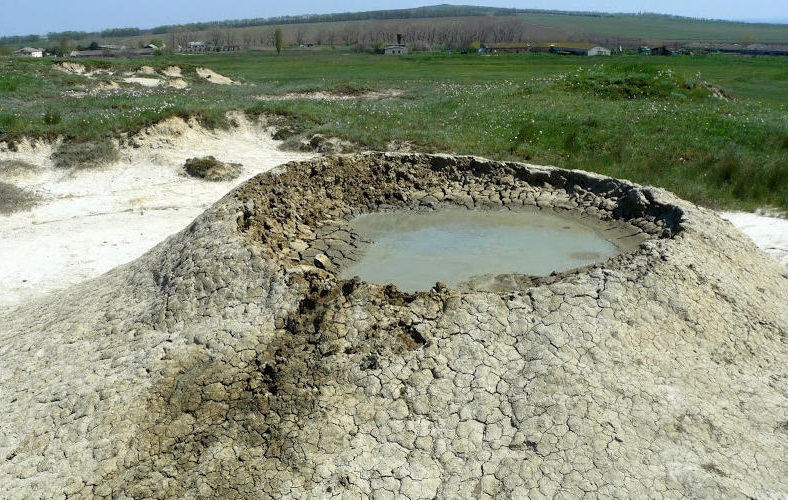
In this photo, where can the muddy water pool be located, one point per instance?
(414, 250)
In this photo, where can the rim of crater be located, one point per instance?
(300, 212)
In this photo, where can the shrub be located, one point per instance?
(52, 117)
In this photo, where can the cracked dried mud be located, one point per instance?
(233, 360)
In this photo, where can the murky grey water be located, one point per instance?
(414, 250)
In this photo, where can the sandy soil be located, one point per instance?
(145, 82)
(769, 233)
(93, 221)
(214, 77)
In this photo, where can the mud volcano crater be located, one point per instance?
(315, 215)
(236, 359)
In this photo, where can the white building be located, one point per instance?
(29, 52)
(598, 51)
(396, 50)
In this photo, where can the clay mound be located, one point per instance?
(70, 67)
(172, 71)
(211, 169)
(214, 77)
(231, 360)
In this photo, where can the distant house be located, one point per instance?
(661, 51)
(758, 49)
(598, 51)
(580, 50)
(396, 50)
(29, 52)
(90, 53)
(399, 49)
(512, 48)
(199, 47)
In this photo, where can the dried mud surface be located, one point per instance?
(231, 360)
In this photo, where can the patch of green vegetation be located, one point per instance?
(712, 129)
(85, 155)
(14, 199)
(637, 81)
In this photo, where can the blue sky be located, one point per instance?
(23, 17)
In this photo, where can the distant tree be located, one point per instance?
(248, 39)
(63, 47)
(216, 36)
(93, 45)
(157, 42)
(278, 40)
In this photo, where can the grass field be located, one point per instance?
(656, 29)
(712, 129)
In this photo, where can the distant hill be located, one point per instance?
(442, 25)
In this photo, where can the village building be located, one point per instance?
(199, 47)
(29, 52)
(395, 50)
(580, 50)
(598, 51)
(399, 49)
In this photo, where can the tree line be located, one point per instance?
(436, 12)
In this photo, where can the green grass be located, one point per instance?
(654, 120)
(658, 28)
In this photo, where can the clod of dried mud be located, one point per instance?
(232, 361)
(211, 169)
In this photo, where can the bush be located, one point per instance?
(52, 117)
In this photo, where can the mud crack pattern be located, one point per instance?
(232, 360)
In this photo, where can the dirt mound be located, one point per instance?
(70, 67)
(172, 71)
(211, 169)
(214, 77)
(145, 82)
(178, 83)
(232, 360)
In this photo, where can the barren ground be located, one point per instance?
(93, 221)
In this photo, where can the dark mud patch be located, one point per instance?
(211, 169)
